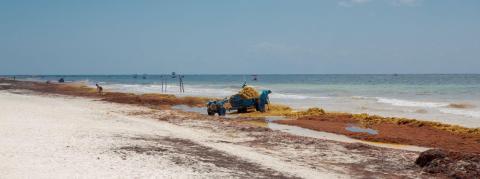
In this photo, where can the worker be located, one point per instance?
(99, 89)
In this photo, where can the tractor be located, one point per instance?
(239, 103)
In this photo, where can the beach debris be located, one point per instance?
(273, 110)
(451, 164)
(425, 158)
(309, 112)
(248, 92)
(461, 105)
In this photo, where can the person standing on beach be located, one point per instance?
(99, 89)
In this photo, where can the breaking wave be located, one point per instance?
(462, 112)
(407, 103)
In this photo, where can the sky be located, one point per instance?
(239, 37)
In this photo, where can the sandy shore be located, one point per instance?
(52, 136)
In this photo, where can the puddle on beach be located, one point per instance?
(201, 110)
(353, 128)
(337, 137)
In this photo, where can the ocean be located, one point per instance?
(448, 98)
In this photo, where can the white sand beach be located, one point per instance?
(63, 137)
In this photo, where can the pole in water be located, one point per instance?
(166, 80)
(182, 87)
(161, 79)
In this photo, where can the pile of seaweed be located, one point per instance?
(248, 92)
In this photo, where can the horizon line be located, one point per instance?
(168, 74)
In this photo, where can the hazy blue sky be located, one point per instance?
(243, 36)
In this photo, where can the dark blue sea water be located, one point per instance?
(417, 96)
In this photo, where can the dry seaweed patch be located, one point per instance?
(273, 110)
(400, 131)
(369, 120)
(365, 120)
(153, 99)
(283, 110)
(78, 89)
(308, 112)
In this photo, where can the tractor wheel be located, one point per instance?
(210, 113)
(222, 112)
(262, 109)
(257, 106)
(242, 110)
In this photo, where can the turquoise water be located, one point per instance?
(417, 96)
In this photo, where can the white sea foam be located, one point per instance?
(462, 112)
(191, 90)
(294, 96)
(442, 107)
(361, 97)
(407, 103)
